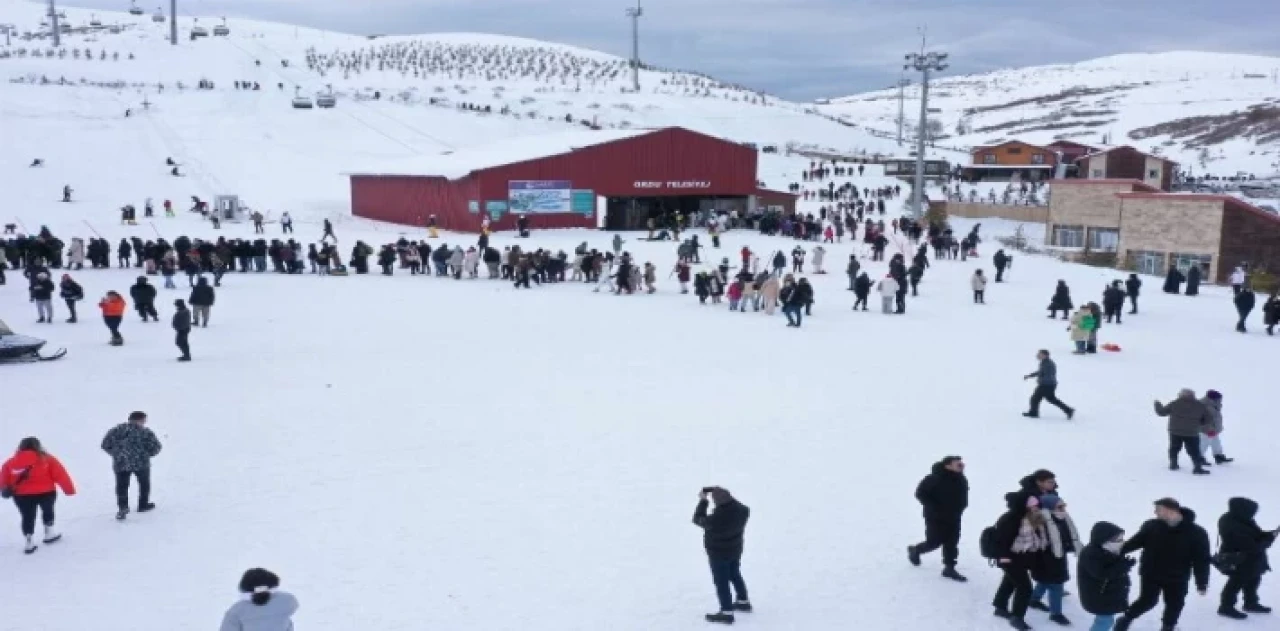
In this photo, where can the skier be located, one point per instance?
(202, 299)
(1046, 377)
(131, 446)
(1021, 538)
(66, 193)
(1245, 543)
(979, 284)
(113, 306)
(265, 608)
(32, 477)
(1245, 300)
(71, 292)
(722, 537)
(1102, 575)
(944, 494)
(42, 294)
(144, 297)
(182, 328)
(1173, 548)
(1188, 417)
(328, 232)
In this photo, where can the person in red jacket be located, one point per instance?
(33, 477)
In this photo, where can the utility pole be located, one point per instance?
(635, 15)
(924, 63)
(57, 28)
(8, 30)
(173, 22)
(903, 82)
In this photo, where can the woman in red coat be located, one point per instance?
(33, 477)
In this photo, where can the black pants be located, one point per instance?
(725, 572)
(900, 301)
(71, 306)
(943, 534)
(27, 506)
(183, 345)
(1133, 302)
(1192, 446)
(862, 300)
(122, 488)
(1244, 315)
(1016, 583)
(979, 296)
(148, 309)
(999, 274)
(1236, 584)
(1175, 596)
(1046, 393)
(113, 325)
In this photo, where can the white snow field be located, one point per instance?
(420, 453)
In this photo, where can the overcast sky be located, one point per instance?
(805, 49)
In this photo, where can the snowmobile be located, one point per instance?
(23, 348)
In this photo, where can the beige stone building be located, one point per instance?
(1150, 230)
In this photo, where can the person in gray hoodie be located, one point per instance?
(1187, 418)
(1209, 436)
(1046, 387)
(264, 608)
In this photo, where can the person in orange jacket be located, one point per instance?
(33, 477)
(113, 306)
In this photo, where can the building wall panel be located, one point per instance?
(1165, 223)
(1249, 236)
(1092, 204)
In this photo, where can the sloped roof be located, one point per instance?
(977, 148)
(1133, 149)
(458, 164)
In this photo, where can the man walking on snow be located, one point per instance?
(132, 446)
(722, 537)
(1173, 548)
(1046, 387)
(1188, 418)
(944, 494)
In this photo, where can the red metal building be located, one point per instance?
(581, 179)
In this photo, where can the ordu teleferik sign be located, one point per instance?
(672, 185)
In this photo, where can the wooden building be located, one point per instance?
(1007, 159)
(1127, 163)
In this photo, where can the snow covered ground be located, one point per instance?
(421, 453)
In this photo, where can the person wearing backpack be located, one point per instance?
(1017, 542)
(1102, 575)
(944, 494)
(1245, 545)
(32, 478)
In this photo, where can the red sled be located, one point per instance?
(1114, 348)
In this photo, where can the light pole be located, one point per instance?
(924, 63)
(635, 14)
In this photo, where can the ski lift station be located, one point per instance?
(134, 9)
(221, 30)
(229, 207)
(301, 102)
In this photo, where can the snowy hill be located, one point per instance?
(1213, 113)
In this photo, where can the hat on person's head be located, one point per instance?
(1214, 394)
(1169, 503)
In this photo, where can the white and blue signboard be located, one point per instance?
(540, 196)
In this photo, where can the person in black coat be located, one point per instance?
(1061, 301)
(201, 300)
(1113, 302)
(1102, 574)
(1245, 300)
(1270, 312)
(144, 299)
(1173, 281)
(182, 329)
(898, 270)
(722, 534)
(1132, 287)
(71, 293)
(1246, 544)
(861, 289)
(944, 494)
(1174, 548)
(1000, 260)
(1193, 280)
(1018, 557)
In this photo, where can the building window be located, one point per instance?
(1013, 151)
(1104, 239)
(1147, 262)
(1037, 158)
(1068, 236)
(1153, 174)
(1096, 174)
(1184, 262)
(988, 158)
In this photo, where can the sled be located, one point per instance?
(1112, 348)
(16, 348)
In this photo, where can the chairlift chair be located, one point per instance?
(326, 99)
(199, 31)
(94, 21)
(158, 17)
(221, 30)
(134, 9)
(301, 102)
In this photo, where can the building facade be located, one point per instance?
(1127, 163)
(1006, 160)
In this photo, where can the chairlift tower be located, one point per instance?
(903, 82)
(57, 28)
(173, 22)
(635, 14)
(924, 63)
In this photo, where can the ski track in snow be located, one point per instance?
(422, 453)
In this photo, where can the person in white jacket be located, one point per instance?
(471, 262)
(1237, 279)
(979, 284)
(76, 258)
(888, 294)
(264, 607)
(819, 253)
